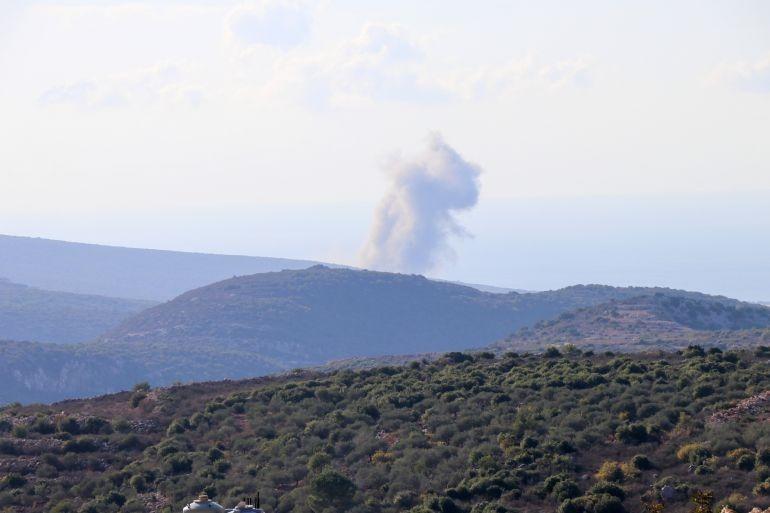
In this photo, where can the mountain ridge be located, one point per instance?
(30, 313)
(116, 271)
(273, 322)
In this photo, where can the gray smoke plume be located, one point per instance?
(415, 219)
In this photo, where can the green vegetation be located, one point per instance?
(566, 432)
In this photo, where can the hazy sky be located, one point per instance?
(264, 127)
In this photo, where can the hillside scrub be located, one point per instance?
(566, 432)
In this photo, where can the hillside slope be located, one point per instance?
(658, 321)
(464, 434)
(273, 322)
(122, 272)
(27, 313)
(306, 317)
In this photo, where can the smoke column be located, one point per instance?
(416, 217)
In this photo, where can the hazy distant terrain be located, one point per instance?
(271, 322)
(28, 313)
(122, 272)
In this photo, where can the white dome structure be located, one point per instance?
(203, 503)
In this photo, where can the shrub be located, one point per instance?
(693, 453)
(13, 480)
(745, 462)
(602, 503)
(611, 471)
(43, 426)
(69, 425)
(115, 498)
(641, 462)
(137, 398)
(632, 433)
(138, 483)
(566, 489)
(7, 447)
(762, 488)
(46, 471)
(177, 464)
(142, 387)
(703, 391)
(605, 487)
(80, 445)
(318, 462)
(215, 454)
(763, 456)
(121, 426)
(63, 507)
(331, 489)
(405, 499)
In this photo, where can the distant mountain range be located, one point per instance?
(123, 272)
(28, 313)
(272, 322)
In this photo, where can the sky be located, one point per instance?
(617, 142)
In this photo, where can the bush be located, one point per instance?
(602, 503)
(46, 471)
(745, 462)
(13, 480)
(115, 498)
(177, 464)
(605, 487)
(763, 456)
(331, 489)
(641, 462)
(693, 453)
(762, 488)
(137, 398)
(703, 391)
(632, 433)
(566, 489)
(318, 462)
(69, 425)
(7, 447)
(43, 426)
(611, 471)
(215, 454)
(138, 483)
(80, 445)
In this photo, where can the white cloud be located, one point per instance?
(384, 62)
(162, 83)
(381, 63)
(278, 23)
(748, 76)
(521, 75)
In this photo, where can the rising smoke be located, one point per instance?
(416, 218)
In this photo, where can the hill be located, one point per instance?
(658, 321)
(122, 272)
(27, 313)
(273, 322)
(464, 434)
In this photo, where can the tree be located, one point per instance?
(330, 489)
